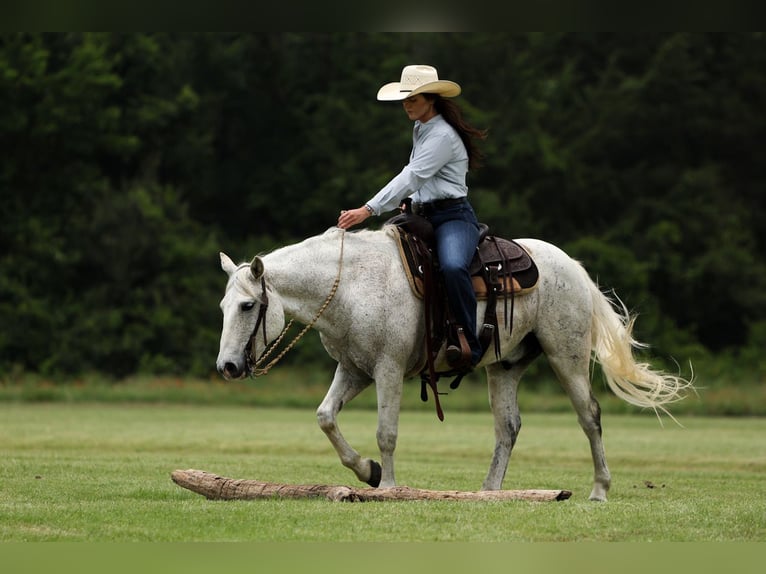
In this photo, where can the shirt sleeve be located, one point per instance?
(426, 160)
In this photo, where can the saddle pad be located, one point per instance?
(410, 261)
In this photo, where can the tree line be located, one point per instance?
(129, 160)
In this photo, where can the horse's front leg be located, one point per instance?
(389, 381)
(345, 386)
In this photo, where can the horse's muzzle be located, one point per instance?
(231, 370)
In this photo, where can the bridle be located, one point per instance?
(254, 366)
(261, 320)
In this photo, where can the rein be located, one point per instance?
(255, 367)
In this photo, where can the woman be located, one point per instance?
(443, 150)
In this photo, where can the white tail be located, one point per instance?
(613, 345)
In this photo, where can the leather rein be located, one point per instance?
(254, 366)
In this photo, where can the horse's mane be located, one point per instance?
(361, 234)
(332, 233)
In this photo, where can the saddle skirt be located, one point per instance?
(499, 264)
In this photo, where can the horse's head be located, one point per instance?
(252, 317)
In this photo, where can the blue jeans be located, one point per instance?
(457, 235)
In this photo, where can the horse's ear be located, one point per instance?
(227, 264)
(256, 267)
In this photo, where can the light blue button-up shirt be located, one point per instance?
(437, 168)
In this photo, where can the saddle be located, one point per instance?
(500, 269)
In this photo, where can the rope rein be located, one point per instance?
(256, 370)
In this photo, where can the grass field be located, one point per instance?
(305, 388)
(101, 472)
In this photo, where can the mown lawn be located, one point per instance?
(101, 472)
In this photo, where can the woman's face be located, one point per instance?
(418, 107)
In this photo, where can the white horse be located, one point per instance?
(352, 288)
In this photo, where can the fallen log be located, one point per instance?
(216, 487)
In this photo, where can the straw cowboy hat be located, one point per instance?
(418, 80)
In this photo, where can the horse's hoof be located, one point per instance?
(375, 474)
(598, 494)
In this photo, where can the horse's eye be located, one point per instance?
(247, 305)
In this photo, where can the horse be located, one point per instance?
(353, 289)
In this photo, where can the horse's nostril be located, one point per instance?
(230, 369)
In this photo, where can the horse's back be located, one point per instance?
(552, 261)
(565, 289)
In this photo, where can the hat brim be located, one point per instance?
(393, 91)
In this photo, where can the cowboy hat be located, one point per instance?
(418, 80)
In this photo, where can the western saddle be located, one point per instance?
(501, 269)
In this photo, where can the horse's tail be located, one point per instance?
(613, 345)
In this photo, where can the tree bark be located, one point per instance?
(216, 487)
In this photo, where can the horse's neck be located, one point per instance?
(303, 274)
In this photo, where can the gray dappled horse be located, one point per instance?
(353, 289)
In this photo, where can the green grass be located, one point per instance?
(101, 472)
(305, 388)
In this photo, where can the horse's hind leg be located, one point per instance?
(345, 386)
(573, 370)
(503, 384)
(503, 381)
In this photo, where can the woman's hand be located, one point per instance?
(352, 217)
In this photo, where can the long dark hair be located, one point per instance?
(453, 115)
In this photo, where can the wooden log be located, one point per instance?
(216, 487)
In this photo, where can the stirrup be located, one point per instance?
(459, 356)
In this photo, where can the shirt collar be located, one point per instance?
(421, 128)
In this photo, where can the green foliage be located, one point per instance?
(130, 159)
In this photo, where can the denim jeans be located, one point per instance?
(457, 235)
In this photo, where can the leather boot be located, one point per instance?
(459, 356)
